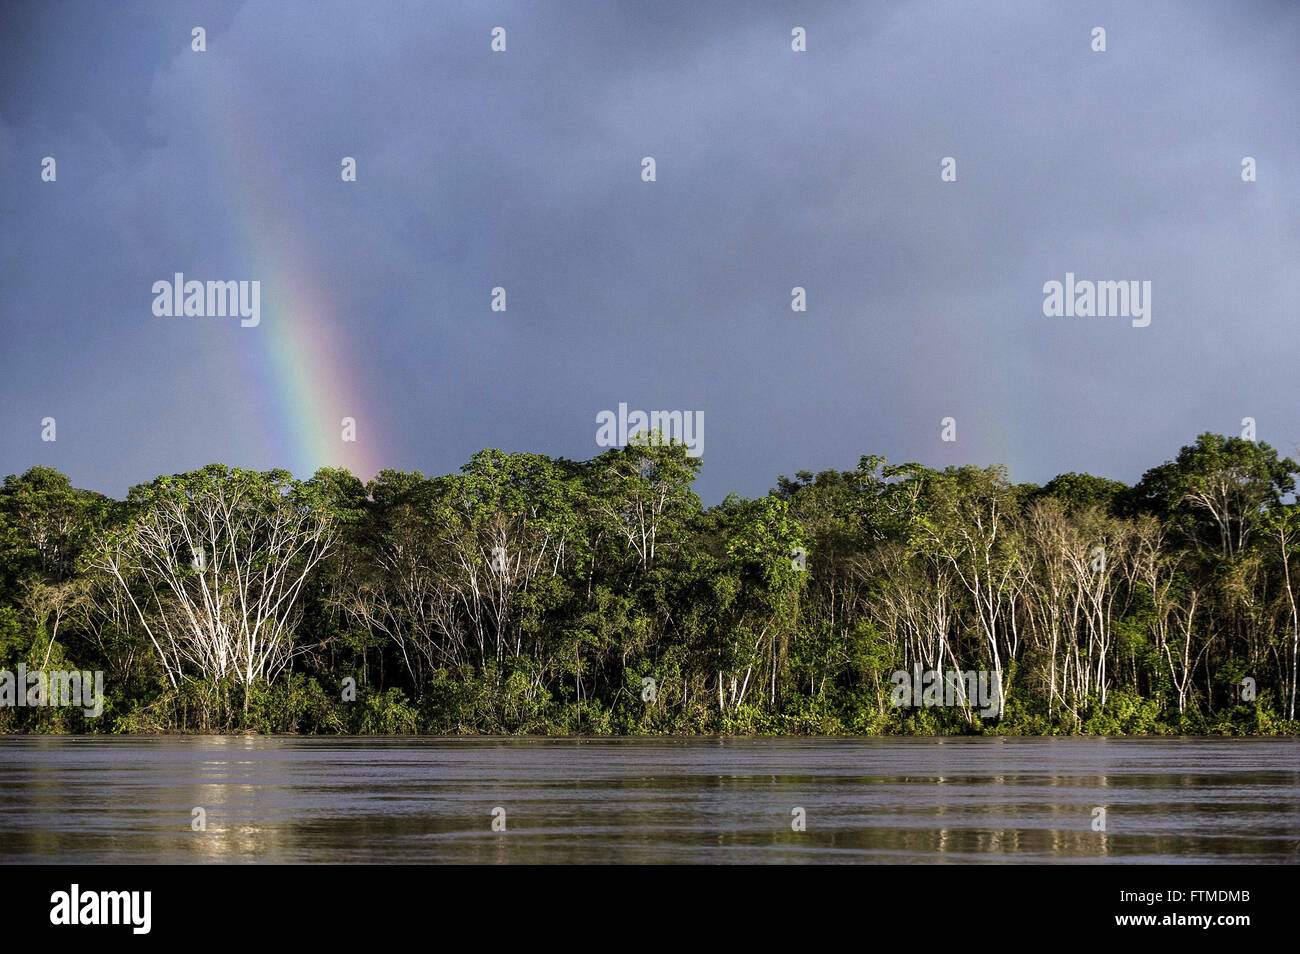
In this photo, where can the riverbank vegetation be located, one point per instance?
(536, 595)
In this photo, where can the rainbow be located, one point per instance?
(304, 386)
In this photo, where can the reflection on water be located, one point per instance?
(114, 800)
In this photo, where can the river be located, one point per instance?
(414, 800)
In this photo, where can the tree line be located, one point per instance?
(530, 594)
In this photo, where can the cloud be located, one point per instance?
(775, 169)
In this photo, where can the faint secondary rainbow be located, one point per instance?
(295, 358)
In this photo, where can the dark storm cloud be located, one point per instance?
(775, 169)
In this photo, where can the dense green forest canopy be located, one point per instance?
(528, 594)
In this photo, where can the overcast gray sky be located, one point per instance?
(522, 169)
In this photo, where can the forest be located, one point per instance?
(537, 595)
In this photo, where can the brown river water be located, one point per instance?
(425, 800)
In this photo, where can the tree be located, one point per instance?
(1080, 491)
(1281, 527)
(45, 524)
(213, 562)
(1225, 482)
(968, 521)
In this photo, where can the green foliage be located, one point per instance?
(1125, 713)
(533, 595)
